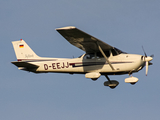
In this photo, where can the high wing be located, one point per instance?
(83, 40)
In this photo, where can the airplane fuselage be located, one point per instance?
(122, 63)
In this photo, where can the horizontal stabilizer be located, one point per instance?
(26, 66)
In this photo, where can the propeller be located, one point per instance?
(147, 59)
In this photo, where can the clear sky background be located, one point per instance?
(125, 24)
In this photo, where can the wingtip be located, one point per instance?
(66, 28)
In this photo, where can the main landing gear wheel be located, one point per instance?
(133, 83)
(111, 83)
(94, 79)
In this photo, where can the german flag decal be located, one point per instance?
(21, 46)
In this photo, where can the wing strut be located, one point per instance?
(105, 56)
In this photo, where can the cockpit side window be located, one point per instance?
(114, 52)
(99, 54)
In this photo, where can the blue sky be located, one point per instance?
(125, 24)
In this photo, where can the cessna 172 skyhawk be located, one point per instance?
(100, 59)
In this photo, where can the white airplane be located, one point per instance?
(99, 59)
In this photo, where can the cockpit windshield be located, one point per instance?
(80, 56)
(116, 51)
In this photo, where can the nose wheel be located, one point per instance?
(111, 83)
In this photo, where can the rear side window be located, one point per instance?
(89, 56)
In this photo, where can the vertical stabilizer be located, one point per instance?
(23, 51)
